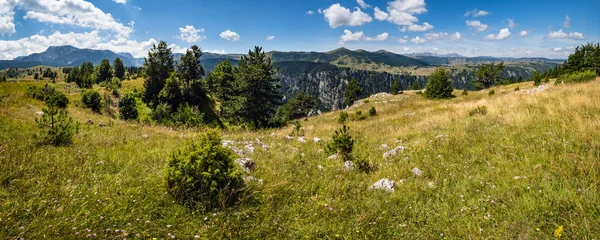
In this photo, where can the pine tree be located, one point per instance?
(353, 92)
(103, 71)
(396, 87)
(414, 85)
(158, 66)
(488, 75)
(119, 68)
(439, 85)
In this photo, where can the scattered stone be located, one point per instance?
(227, 143)
(102, 124)
(39, 113)
(393, 152)
(249, 147)
(319, 112)
(540, 88)
(288, 137)
(145, 136)
(90, 122)
(417, 172)
(316, 139)
(246, 163)
(263, 145)
(320, 167)
(384, 146)
(273, 134)
(332, 157)
(348, 165)
(383, 184)
(237, 150)
(431, 184)
(301, 139)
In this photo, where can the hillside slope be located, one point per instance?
(522, 170)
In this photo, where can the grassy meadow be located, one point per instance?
(528, 166)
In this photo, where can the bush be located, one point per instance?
(372, 111)
(92, 99)
(577, 77)
(57, 99)
(517, 89)
(465, 92)
(187, 116)
(358, 116)
(341, 143)
(481, 110)
(56, 127)
(343, 117)
(297, 131)
(127, 107)
(491, 92)
(40, 93)
(363, 165)
(162, 114)
(203, 175)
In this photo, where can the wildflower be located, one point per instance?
(558, 232)
(137, 235)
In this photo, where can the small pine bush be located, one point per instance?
(56, 127)
(203, 175)
(465, 92)
(517, 89)
(481, 110)
(297, 131)
(128, 107)
(341, 143)
(92, 99)
(57, 99)
(372, 111)
(491, 92)
(343, 117)
(358, 116)
(363, 165)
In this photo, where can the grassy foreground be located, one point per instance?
(527, 167)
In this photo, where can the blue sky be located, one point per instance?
(471, 28)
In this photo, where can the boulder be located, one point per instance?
(301, 139)
(417, 172)
(249, 147)
(263, 145)
(348, 165)
(332, 157)
(383, 184)
(246, 163)
(393, 152)
(316, 139)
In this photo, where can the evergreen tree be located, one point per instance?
(189, 67)
(127, 107)
(119, 68)
(439, 85)
(488, 75)
(259, 88)
(396, 87)
(353, 92)
(414, 85)
(172, 93)
(103, 71)
(56, 127)
(158, 66)
(222, 84)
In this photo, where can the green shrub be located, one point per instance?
(57, 99)
(517, 89)
(577, 77)
(187, 117)
(480, 110)
(127, 107)
(92, 99)
(439, 85)
(40, 93)
(343, 117)
(56, 127)
(372, 111)
(162, 114)
(491, 92)
(341, 143)
(465, 92)
(364, 165)
(203, 175)
(358, 116)
(297, 130)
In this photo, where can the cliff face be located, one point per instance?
(327, 83)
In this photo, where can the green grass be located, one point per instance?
(522, 170)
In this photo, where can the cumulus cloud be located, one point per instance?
(120, 1)
(455, 36)
(9, 49)
(350, 36)
(524, 33)
(567, 23)
(477, 25)
(362, 4)
(310, 12)
(190, 34)
(401, 12)
(418, 40)
(402, 41)
(269, 38)
(78, 13)
(420, 28)
(563, 35)
(229, 35)
(476, 13)
(337, 15)
(504, 34)
(217, 51)
(557, 49)
(7, 16)
(432, 36)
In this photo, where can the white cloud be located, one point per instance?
(477, 25)
(362, 4)
(418, 40)
(7, 14)
(349, 36)
(511, 23)
(190, 34)
(401, 12)
(229, 35)
(504, 34)
(402, 29)
(269, 38)
(562, 35)
(420, 28)
(455, 36)
(320, 11)
(476, 13)
(9, 49)
(402, 41)
(310, 12)
(77, 13)
(336, 16)
(524, 33)
(217, 51)
(567, 23)
(557, 49)
(120, 1)
(137, 8)
(432, 36)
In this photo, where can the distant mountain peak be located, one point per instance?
(341, 49)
